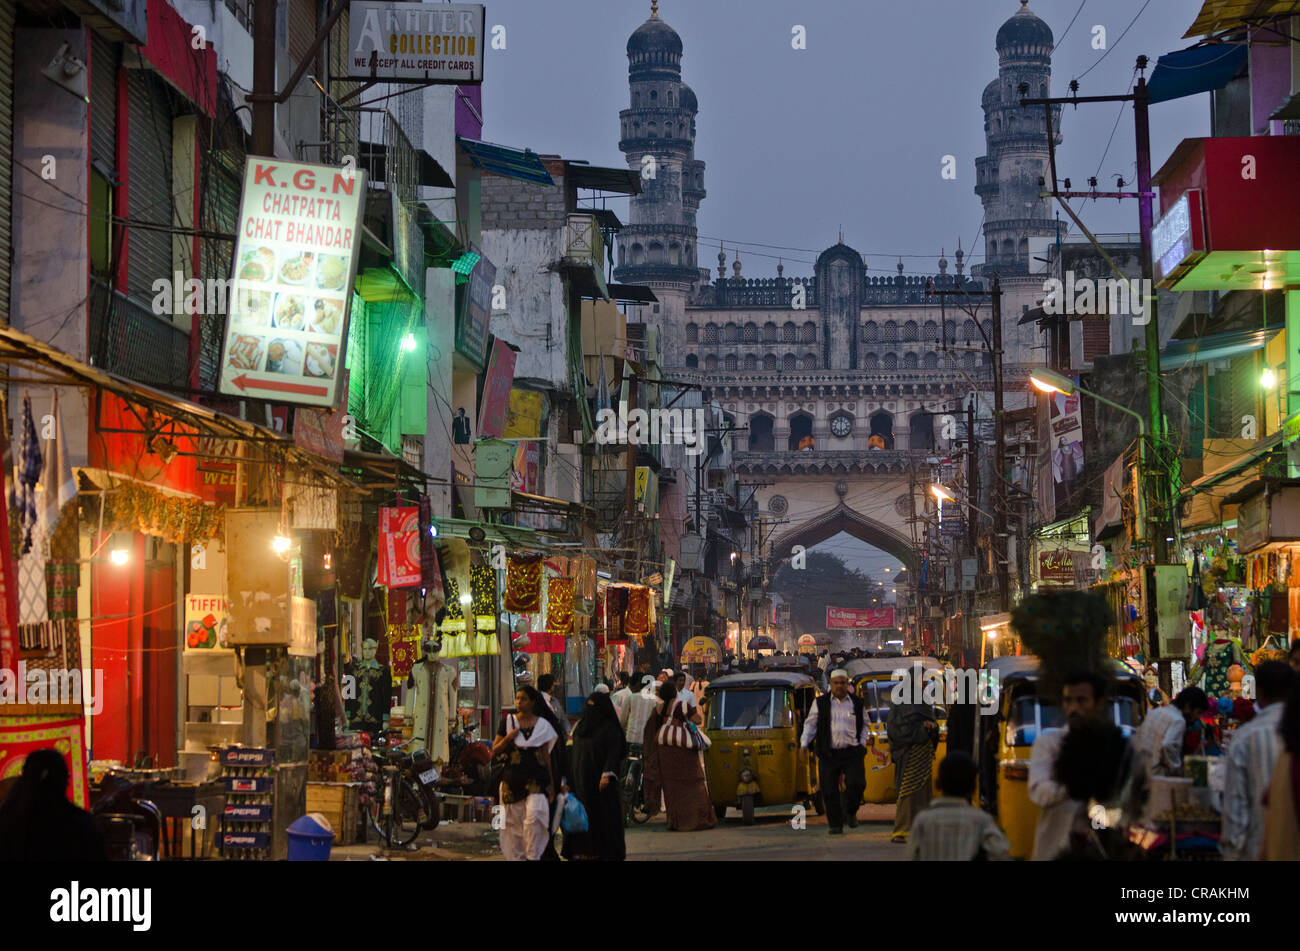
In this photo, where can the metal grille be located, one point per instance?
(127, 339)
(150, 181)
(103, 100)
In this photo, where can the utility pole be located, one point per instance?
(999, 458)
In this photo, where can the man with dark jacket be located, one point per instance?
(837, 731)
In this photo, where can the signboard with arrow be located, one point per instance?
(295, 264)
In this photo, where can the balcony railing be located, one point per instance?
(584, 243)
(128, 339)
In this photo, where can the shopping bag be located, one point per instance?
(573, 817)
(698, 736)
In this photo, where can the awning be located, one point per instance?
(1289, 109)
(632, 294)
(1219, 15)
(606, 219)
(1195, 70)
(374, 159)
(587, 282)
(1196, 351)
(624, 181)
(522, 164)
(1209, 496)
(31, 361)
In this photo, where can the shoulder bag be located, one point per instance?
(673, 732)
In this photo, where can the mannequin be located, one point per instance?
(368, 707)
(436, 683)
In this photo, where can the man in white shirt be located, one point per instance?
(1082, 699)
(837, 731)
(636, 710)
(1255, 749)
(1160, 738)
(623, 691)
(685, 694)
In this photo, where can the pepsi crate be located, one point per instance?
(239, 756)
(247, 785)
(246, 840)
(237, 812)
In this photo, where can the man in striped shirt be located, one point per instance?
(951, 829)
(1254, 750)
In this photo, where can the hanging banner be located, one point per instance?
(1066, 445)
(495, 404)
(841, 619)
(295, 265)
(399, 547)
(416, 42)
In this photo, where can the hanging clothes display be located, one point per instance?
(445, 681)
(399, 547)
(637, 618)
(523, 584)
(403, 650)
(430, 574)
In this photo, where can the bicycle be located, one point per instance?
(634, 805)
(401, 807)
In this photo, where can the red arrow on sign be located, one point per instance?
(244, 383)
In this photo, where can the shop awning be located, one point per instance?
(35, 363)
(374, 159)
(1196, 351)
(1209, 496)
(1195, 70)
(606, 219)
(524, 164)
(632, 294)
(1219, 15)
(624, 181)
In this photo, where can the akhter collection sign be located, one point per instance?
(416, 42)
(295, 264)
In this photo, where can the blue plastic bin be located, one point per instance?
(310, 839)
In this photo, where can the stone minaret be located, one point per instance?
(658, 245)
(1007, 176)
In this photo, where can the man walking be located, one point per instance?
(1082, 699)
(836, 730)
(623, 690)
(1255, 749)
(546, 683)
(1160, 737)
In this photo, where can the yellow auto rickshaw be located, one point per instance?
(1007, 738)
(873, 679)
(754, 721)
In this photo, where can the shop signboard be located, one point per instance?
(257, 585)
(1178, 238)
(495, 405)
(302, 624)
(295, 265)
(842, 619)
(701, 650)
(205, 622)
(1252, 523)
(416, 42)
(474, 311)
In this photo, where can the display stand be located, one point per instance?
(248, 776)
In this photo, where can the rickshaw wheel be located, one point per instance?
(720, 812)
(819, 803)
(747, 809)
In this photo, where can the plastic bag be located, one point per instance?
(573, 817)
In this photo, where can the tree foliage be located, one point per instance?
(824, 580)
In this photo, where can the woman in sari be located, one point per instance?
(597, 752)
(913, 731)
(675, 770)
(526, 745)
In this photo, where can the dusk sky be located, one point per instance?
(849, 132)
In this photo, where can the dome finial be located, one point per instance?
(841, 234)
(780, 267)
(900, 265)
(654, 8)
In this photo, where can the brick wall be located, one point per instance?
(509, 203)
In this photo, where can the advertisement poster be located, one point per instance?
(295, 264)
(495, 405)
(842, 619)
(205, 621)
(701, 650)
(474, 310)
(1066, 427)
(416, 42)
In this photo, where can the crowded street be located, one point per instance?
(648, 432)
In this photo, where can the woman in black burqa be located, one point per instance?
(598, 745)
(39, 824)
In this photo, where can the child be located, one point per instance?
(951, 829)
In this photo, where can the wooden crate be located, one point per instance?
(340, 804)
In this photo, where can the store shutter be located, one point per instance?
(103, 101)
(1096, 338)
(150, 181)
(6, 154)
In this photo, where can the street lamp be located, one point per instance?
(1049, 381)
(943, 495)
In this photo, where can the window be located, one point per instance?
(910, 332)
(692, 333)
(692, 362)
(760, 433)
(729, 333)
(801, 432)
(769, 332)
(809, 332)
(1029, 718)
(809, 362)
(890, 362)
(930, 361)
(931, 331)
(101, 228)
(653, 95)
(969, 332)
(789, 362)
(891, 332)
(909, 361)
(748, 710)
(871, 332)
(710, 333)
(710, 362)
(751, 333)
(789, 332)
(751, 362)
(730, 361)
(870, 361)
(769, 362)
